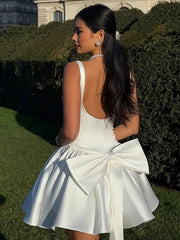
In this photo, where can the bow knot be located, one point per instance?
(88, 169)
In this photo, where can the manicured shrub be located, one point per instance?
(153, 47)
(162, 13)
(32, 87)
(127, 18)
(156, 65)
(49, 42)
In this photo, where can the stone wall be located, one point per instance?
(68, 8)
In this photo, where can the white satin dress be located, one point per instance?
(93, 185)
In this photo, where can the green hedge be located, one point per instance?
(29, 43)
(152, 41)
(32, 87)
(156, 71)
(162, 13)
(127, 18)
(155, 58)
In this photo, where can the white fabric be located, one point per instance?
(93, 185)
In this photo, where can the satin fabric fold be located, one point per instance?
(88, 170)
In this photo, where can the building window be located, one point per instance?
(58, 16)
(9, 18)
(9, 6)
(21, 19)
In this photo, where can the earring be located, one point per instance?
(97, 43)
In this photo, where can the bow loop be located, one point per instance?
(88, 169)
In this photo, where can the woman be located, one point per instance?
(93, 184)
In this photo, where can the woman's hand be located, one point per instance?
(128, 129)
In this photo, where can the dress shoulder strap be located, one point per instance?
(82, 78)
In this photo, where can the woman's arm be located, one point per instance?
(131, 126)
(71, 105)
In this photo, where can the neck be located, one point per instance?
(95, 56)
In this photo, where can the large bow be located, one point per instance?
(87, 170)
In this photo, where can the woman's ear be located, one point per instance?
(101, 34)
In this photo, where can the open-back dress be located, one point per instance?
(93, 185)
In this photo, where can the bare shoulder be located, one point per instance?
(71, 65)
(71, 70)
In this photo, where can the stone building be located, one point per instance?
(17, 12)
(55, 10)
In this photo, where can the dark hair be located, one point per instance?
(117, 100)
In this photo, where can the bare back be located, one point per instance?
(95, 77)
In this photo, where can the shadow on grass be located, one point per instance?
(2, 200)
(2, 237)
(42, 128)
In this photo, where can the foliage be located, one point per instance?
(32, 87)
(155, 58)
(162, 13)
(24, 149)
(32, 43)
(152, 41)
(127, 18)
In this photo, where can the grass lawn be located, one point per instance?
(25, 144)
